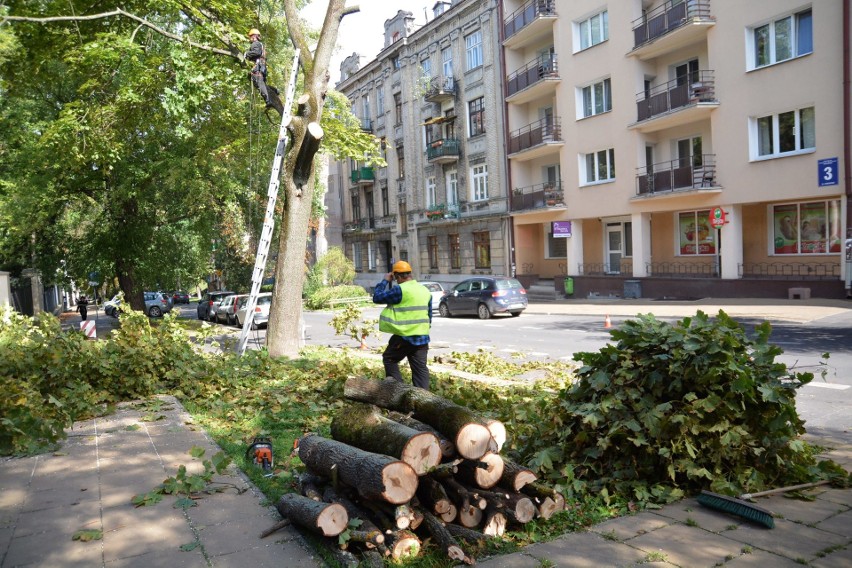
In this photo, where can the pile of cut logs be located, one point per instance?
(406, 464)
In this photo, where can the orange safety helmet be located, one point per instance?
(254, 31)
(401, 266)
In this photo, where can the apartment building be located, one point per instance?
(678, 148)
(433, 97)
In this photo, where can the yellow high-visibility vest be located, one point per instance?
(411, 316)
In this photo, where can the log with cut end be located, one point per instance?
(498, 434)
(467, 430)
(451, 514)
(403, 544)
(516, 506)
(309, 485)
(373, 535)
(515, 476)
(495, 522)
(470, 516)
(433, 496)
(548, 500)
(362, 426)
(448, 450)
(485, 472)
(374, 476)
(327, 519)
(443, 538)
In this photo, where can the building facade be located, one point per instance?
(696, 147)
(430, 96)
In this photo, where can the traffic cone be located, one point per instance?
(607, 322)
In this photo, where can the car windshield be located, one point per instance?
(508, 284)
(433, 286)
(263, 300)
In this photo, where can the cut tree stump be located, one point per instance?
(467, 430)
(362, 426)
(374, 476)
(327, 519)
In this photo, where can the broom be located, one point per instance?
(740, 507)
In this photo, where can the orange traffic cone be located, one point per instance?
(607, 322)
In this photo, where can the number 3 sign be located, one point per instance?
(827, 172)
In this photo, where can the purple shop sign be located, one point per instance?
(561, 229)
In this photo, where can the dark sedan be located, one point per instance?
(484, 296)
(180, 297)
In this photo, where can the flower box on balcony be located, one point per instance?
(436, 212)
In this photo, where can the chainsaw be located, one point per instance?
(260, 453)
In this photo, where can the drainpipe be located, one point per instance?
(511, 220)
(847, 141)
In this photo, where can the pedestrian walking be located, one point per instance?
(83, 307)
(408, 317)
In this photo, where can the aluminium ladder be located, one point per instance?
(269, 217)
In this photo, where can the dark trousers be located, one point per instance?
(83, 312)
(399, 349)
(259, 80)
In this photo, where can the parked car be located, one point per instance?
(205, 304)
(226, 310)
(180, 297)
(261, 311)
(484, 296)
(156, 304)
(437, 290)
(111, 304)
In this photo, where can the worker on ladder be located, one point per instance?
(257, 55)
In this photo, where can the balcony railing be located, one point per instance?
(386, 222)
(441, 88)
(366, 174)
(531, 73)
(352, 226)
(697, 87)
(445, 149)
(540, 195)
(668, 17)
(367, 124)
(693, 172)
(526, 14)
(534, 134)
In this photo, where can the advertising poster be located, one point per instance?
(696, 235)
(786, 233)
(835, 243)
(812, 229)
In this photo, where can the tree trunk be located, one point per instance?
(466, 534)
(374, 476)
(485, 472)
(495, 522)
(519, 508)
(327, 519)
(433, 496)
(444, 539)
(362, 426)
(403, 544)
(448, 450)
(516, 476)
(374, 537)
(468, 431)
(542, 493)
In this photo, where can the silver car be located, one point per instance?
(226, 310)
(156, 304)
(261, 311)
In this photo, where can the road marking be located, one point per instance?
(827, 386)
(531, 327)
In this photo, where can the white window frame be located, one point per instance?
(447, 62)
(371, 255)
(452, 187)
(380, 102)
(426, 67)
(606, 89)
(473, 45)
(356, 256)
(584, 36)
(805, 142)
(431, 192)
(479, 182)
(794, 19)
(365, 105)
(586, 178)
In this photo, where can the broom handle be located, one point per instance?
(746, 496)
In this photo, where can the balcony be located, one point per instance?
(670, 27)
(386, 222)
(535, 79)
(443, 151)
(677, 176)
(536, 139)
(363, 176)
(538, 196)
(352, 226)
(367, 124)
(529, 23)
(442, 211)
(691, 96)
(440, 89)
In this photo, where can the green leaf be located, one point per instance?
(190, 546)
(196, 451)
(184, 503)
(87, 535)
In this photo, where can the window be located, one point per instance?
(599, 166)
(431, 197)
(695, 235)
(476, 116)
(403, 218)
(356, 256)
(395, 63)
(482, 249)
(447, 62)
(397, 107)
(784, 133)
(400, 161)
(366, 106)
(557, 247)
(806, 228)
(385, 202)
(479, 182)
(452, 187)
(592, 31)
(426, 68)
(371, 207)
(455, 251)
(432, 245)
(782, 39)
(371, 255)
(380, 102)
(597, 98)
(473, 43)
(356, 207)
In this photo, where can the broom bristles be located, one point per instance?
(737, 507)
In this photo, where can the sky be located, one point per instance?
(364, 31)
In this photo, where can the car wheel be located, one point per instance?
(155, 312)
(515, 314)
(231, 319)
(237, 321)
(200, 316)
(444, 310)
(483, 312)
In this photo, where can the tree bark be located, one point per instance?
(448, 450)
(327, 519)
(374, 476)
(542, 493)
(495, 522)
(516, 476)
(433, 496)
(518, 508)
(374, 537)
(443, 538)
(466, 534)
(362, 426)
(473, 473)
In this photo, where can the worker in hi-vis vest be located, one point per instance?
(408, 316)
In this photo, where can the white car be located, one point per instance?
(111, 304)
(226, 310)
(437, 290)
(261, 311)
